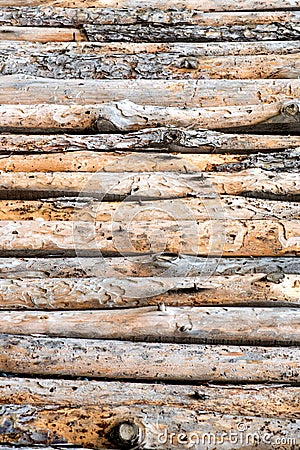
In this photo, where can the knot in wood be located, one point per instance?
(126, 434)
(291, 108)
(173, 136)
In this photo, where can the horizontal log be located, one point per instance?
(88, 209)
(201, 325)
(16, 89)
(126, 360)
(271, 289)
(147, 61)
(156, 139)
(212, 237)
(146, 266)
(89, 161)
(37, 34)
(207, 5)
(127, 116)
(132, 186)
(138, 403)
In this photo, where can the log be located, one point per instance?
(128, 116)
(132, 186)
(147, 61)
(25, 292)
(156, 139)
(168, 362)
(90, 161)
(16, 89)
(207, 238)
(200, 325)
(88, 209)
(36, 34)
(177, 407)
(160, 265)
(207, 5)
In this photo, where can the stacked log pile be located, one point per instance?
(149, 224)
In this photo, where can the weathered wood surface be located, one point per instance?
(90, 161)
(88, 209)
(156, 139)
(211, 237)
(172, 61)
(201, 325)
(148, 361)
(159, 265)
(126, 116)
(207, 5)
(158, 185)
(16, 89)
(87, 405)
(273, 289)
(35, 34)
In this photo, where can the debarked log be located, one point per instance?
(147, 361)
(128, 116)
(22, 89)
(37, 34)
(157, 265)
(152, 139)
(124, 161)
(211, 237)
(59, 410)
(154, 61)
(25, 292)
(159, 185)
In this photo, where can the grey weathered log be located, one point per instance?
(147, 361)
(155, 139)
(124, 161)
(176, 61)
(159, 185)
(159, 265)
(27, 292)
(127, 116)
(89, 402)
(16, 89)
(200, 325)
(211, 237)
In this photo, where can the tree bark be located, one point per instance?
(148, 61)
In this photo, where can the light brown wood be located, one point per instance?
(158, 185)
(176, 61)
(212, 237)
(26, 292)
(127, 116)
(147, 361)
(37, 34)
(155, 139)
(88, 404)
(213, 325)
(16, 89)
(207, 5)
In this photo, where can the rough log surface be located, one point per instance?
(131, 186)
(16, 89)
(51, 403)
(152, 61)
(26, 292)
(156, 139)
(211, 237)
(148, 361)
(212, 325)
(159, 265)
